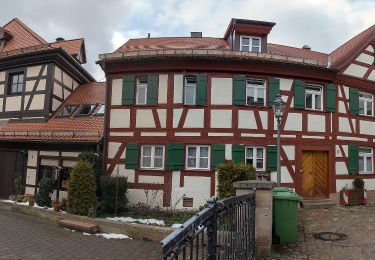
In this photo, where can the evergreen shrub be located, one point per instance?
(108, 186)
(229, 173)
(43, 197)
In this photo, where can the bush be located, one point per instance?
(18, 187)
(108, 187)
(43, 197)
(229, 173)
(82, 189)
(358, 183)
(96, 159)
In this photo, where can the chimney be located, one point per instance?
(60, 39)
(306, 47)
(196, 34)
(149, 35)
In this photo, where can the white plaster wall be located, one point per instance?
(342, 107)
(370, 184)
(178, 88)
(221, 91)
(30, 85)
(162, 113)
(13, 103)
(316, 123)
(194, 118)
(31, 176)
(176, 117)
(49, 153)
(367, 127)
(372, 75)
(58, 90)
(116, 92)
(58, 73)
(29, 190)
(128, 173)
(41, 85)
(113, 148)
(151, 179)
(344, 125)
(155, 197)
(68, 81)
(355, 70)
(2, 75)
(264, 118)
(145, 119)
(341, 168)
(32, 158)
(293, 122)
(163, 88)
(340, 184)
(198, 188)
(2, 87)
(370, 48)
(365, 58)
(285, 175)
(1, 104)
(70, 154)
(37, 103)
(289, 151)
(221, 118)
(177, 192)
(286, 84)
(246, 119)
(119, 118)
(33, 71)
(338, 151)
(346, 91)
(228, 152)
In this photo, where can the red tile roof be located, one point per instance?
(347, 52)
(205, 43)
(73, 47)
(89, 93)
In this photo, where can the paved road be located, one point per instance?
(357, 222)
(27, 237)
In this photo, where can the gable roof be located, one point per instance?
(344, 54)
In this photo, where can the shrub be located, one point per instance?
(358, 183)
(82, 188)
(108, 186)
(96, 159)
(43, 197)
(229, 173)
(18, 187)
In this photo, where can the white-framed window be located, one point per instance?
(255, 155)
(255, 92)
(314, 97)
(16, 81)
(365, 159)
(141, 91)
(152, 157)
(190, 90)
(365, 103)
(251, 44)
(197, 157)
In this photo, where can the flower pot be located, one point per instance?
(353, 197)
(56, 207)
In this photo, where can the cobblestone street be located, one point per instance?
(26, 237)
(358, 223)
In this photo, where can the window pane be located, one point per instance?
(190, 95)
(369, 108)
(318, 102)
(158, 162)
(363, 150)
(192, 151)
(255, 42)
(245, 41)
(308, 100)
(191, 163)
(204, 152)
(361, 164)
(101, 110)
(20, 78)
(368, 164)
(249, 153)
(255, 49)
(250, 95)
(146, 161)
(260, 153)
(249, 161)
(146, 150)
(203, 163)
(260, 94)
(159, 151)
(361, 107)
(259, 164)
(141, 99)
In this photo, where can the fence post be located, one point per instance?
(211, 230)
(263, 212)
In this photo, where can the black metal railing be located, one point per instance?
(224, 230)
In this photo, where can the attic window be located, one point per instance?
(16, 81)
(251, 44)
(85, 110)
(67, 110)
(101, 111)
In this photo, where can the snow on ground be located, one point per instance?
(113, 236)
(176, 225)
(86, 234)
(149, 221)
(27, 204)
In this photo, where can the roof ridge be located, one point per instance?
(178, 37)
(29, 30)
(76, 39)
(297, 48)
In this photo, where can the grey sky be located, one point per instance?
(324, 25)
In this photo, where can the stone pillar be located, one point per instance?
(263, 212)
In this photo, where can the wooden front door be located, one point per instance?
(11, 167)
(314, 174)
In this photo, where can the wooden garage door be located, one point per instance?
(11, 166)
(314, 174)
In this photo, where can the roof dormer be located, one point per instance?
(248, 35)
(4, 37)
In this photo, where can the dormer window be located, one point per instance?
(85, 110)
(67, 111)
(250, 44)
(16, 81)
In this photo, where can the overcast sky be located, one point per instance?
(107, 24)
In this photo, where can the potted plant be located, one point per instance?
(31, 201)
(56, 205)
(356, 195)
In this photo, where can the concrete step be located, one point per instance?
(79, 226)
(318, 204)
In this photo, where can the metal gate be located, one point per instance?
(224, 230)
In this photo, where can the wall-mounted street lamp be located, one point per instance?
(278, 107)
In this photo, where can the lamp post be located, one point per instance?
(278, 107)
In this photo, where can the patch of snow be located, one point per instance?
(71, 230)
(176, 225)
(86, 234)
(113, 236)
(149, 221)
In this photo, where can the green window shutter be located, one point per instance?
(218, 155)
(128, 90)
(299, 94)
(131, 159)
(353, 101)
(353, 158)
(238, 153)
(272, 158)
(331, 97)
(201, 91)
(175, 157)
(152, 89)
(273, 90)
(239, 90)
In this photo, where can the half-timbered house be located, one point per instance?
(51, 108)
(179, 106)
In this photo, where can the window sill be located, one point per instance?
(197, 169)
(151, 169)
